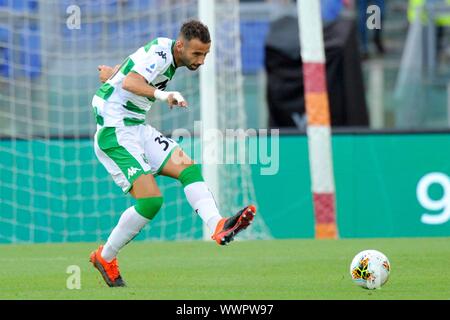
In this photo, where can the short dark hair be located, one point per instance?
(194, 29)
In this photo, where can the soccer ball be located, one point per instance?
(370, 269)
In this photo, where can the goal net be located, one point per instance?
(52, 187)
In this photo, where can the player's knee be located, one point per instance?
(149, 207)
(190, 175)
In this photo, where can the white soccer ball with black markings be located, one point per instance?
(370, 269)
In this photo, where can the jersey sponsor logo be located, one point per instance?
(161, 85)
(162, 54)
(132, 171)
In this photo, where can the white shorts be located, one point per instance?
(130, 151)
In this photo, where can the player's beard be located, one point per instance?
(193, 67)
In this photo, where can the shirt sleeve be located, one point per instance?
(149, 64)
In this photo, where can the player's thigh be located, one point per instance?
(162, 152)
(177, 162)
(122, 154)
(145, 187)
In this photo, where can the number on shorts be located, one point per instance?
(161, 140)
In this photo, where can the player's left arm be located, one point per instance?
(105, 72)
(137, 84)
(147, 66)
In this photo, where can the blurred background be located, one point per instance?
(394, 76)
(388, 79)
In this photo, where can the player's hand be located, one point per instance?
(104, 72)
(175, 99)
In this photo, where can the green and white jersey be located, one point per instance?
(116, 107)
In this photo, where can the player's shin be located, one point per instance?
(199, 196)
(130, 224)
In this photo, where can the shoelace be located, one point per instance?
(112, 269)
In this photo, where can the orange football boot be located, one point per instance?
(109, 270)
(228, 228)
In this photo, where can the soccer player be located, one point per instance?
(133, 152)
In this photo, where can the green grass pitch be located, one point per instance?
(272, 269)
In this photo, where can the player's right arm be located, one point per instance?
(138, 85)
